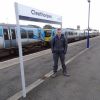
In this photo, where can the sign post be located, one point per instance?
(20, 51)
(30, 14)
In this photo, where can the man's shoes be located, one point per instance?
(66, 74)
(54, 75)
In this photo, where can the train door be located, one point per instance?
(1, 38)
(24, 36)
(13, 37)
(39, 34)
(42, 35)
(7, 38)
(53, 33)
(30, 36)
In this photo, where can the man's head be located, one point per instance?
(59, 31)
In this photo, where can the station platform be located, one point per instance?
(83, 84)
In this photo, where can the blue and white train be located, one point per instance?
(29, 35)
(36, 36)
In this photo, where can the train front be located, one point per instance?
(49, 34)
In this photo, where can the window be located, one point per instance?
(23, 34)
(75, 33)
(5, 31)
(39, 34)
(65, 33)
(47, 33)
(69, 33)
(13, 33)
(53, 33)
(30, 34)
(0, 32)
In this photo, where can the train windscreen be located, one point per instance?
(47, 33)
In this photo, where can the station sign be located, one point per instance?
(32, 14)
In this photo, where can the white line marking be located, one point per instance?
(28, 89)
(48, 74)
(14, 61)
(39, 81)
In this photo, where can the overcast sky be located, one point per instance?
(73, 12)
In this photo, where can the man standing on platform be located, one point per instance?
(59, 48)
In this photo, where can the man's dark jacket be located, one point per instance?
(59, 45)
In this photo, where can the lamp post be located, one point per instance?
(88, 24)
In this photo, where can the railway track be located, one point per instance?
(5, 55)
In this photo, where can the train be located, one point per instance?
(76, 34)
(31, 36)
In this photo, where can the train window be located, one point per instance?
(70, 33)
(30, 34)
(39, 34)
(23, 34)
(75, 33)
(65, 33)
(5, 31)
(13, 33)
(47, 33)
(53, 34)
(0, 32)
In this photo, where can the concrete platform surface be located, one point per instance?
(36, 68)
(83, 84)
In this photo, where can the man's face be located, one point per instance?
(58, 32)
